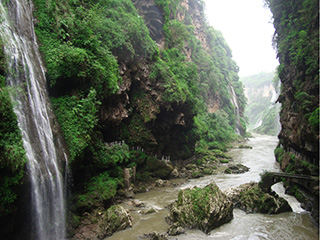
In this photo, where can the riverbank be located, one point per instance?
(88, 224)
(149, 209)
(295, 225)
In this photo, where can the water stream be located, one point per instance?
(31, 104)
(294, 225)
(236, 108)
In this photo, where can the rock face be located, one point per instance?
(299, 75)
(250, 198)
(296, 37)
(203, 208)
(101, 225)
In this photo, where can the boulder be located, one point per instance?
(202, 208)
(100, 223)
(155, 236)
(174, 173)
(148, 211)
(252, 199)
(116, 218)
(236, 169)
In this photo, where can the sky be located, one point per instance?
(247, 27)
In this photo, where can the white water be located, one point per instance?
(296, 225)
(236, 109)
(26, 78)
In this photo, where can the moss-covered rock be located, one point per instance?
(236, 169)
(101, 224)
(251, 198)
(203, 208)
(116, 219)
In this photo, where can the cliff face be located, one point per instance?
(297, 38)
(132, 81)
(167, 125)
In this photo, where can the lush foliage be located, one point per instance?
(12, 154)
(200, 75)
(99, 189)
(297, 41)
(214, 130)
(262, 111)
(80, 42)
(79, 117)
(85, 43)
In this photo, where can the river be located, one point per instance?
(296, 225)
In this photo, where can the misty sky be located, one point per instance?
(246, 26)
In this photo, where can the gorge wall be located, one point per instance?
(129, 82)
(297, 40)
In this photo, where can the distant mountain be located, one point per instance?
(262, 112)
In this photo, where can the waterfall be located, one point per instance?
(26, 78)
(236, 109)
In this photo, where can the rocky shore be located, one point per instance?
(201, 208)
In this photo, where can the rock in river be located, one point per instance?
(99, 225)
(251, 198)
(203, 208)
(116, 219)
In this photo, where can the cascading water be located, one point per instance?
(236, 109)
(26, 78)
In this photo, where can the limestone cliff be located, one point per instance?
(167, 125)
(298, 52)
(297, 40)
(131, 83)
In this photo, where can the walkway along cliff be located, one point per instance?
(297, 40)
(149, 74)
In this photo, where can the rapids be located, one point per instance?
(295, 225)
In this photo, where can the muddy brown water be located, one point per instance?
(296, 225)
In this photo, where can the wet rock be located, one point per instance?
(174, 173)
(196, 174)
(155, 236)
(175, 230)
(140, 189)
(191, 166)
(129, 193)
(116, 218)
(245, 146)
(100, 224)
(252, 199)
(148, 211)
(160, 183)
(236, 169)
(136, 203)
(202, 208)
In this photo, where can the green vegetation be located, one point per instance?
(12, 154)
(200, 198)
(81, 40)
(110, 82)
(84, 43)
(297, 41)
(79, 117)
(252, 199)
(245, 146)
(98, 190)
(262, 111)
